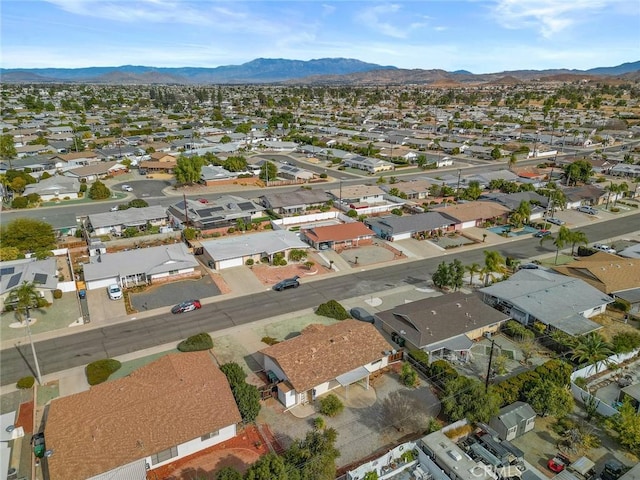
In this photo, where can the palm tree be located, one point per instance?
(472, 269)
(577, 237)
(25, 297)
(592, 350)
(611, 188)
(623, 188)
(559, 241)
(493, 263)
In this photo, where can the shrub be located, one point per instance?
(57, 293)
(20, 202)
(195, 343)
(270, 340)
(234, 373)
(323, 175)
(625, 342)
(318, 423)
(580, 382)
(585, 251)
(247, 398)
(100, 370)
(441, 372)
(408, 376)
(420, 356)
(332, 309)
(518, 331)
(620, 304)
(614, 209)
(331, 405)
(249, 262)
(25, 382)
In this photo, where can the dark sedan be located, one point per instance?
(187, 306)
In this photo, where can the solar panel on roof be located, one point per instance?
(7, 270)
(13, 281)
(245, 206)
(40, 278)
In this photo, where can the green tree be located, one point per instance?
(577, 237)
(496, 153)
(28, 235)
(99, 191)
(7, 148)
(235, 164)
(578, 171)
(626, 423)
(408, 376)
(494, 263)
(268, 171)
(457, 274)
(268, 467)
(314, 457)
(297, 254)
(548, 398)
(473, 269)
(465, 397)
(591, 349)
(228, 473)
(138, 203)
(513, 159)
(473, 191)
(442, 276)
(23, 298)
(188, 169)
(243, 128)
(560, 240)
(520, 216)
(9, 253)
(248, 400)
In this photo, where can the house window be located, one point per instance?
(173, 272)
(512, 430)
(210, 435)
(165, 455)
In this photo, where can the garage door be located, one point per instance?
(95, 284)
(232, 262)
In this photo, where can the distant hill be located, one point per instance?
(338, 71)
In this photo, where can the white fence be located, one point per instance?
(282, 223)
(583, 396)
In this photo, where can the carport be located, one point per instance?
(353, 376)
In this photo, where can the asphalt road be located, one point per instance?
(81, 348)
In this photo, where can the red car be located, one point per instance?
(203, 200)
(187, 306)
(558, 463)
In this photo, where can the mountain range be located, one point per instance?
(318, 71)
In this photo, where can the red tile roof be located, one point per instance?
(175, 399)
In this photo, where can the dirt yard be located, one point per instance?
(613, 323)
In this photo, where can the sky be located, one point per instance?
(481, 36)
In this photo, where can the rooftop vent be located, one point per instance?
(433, 312)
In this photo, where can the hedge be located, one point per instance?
(515, 388)
(420, 356)
(195, 343)
(440, 372)
(332, 309)
(100, 370)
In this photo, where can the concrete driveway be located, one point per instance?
(102, 309)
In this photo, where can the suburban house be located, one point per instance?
(611, 274)
(210, 174)
(291, 172)
(513, 420)
(411, 190)
(512, 201)
(59, 187)
(443, 326)
(223, 212)
(173, 407)
(585, 195)
(76, 159)
(141, 266)
(235, 251)
(294, 202)
(115, 223)
(42, 273)
(325, 357)
(96, 171)
(337, 237)
(368, 164)
(159, 162)
(364, 199)
(559, 302)
(420, 225)
(475, 214)
(625, 170)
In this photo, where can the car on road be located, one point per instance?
(603, 248)
(115, 208)
(587, 209)
(127, 188)
(186, 306)
(203, 200)
(542, 233)
(529, 266)
(361, 314)
(556, 221)
(115, 292)
(287, 283)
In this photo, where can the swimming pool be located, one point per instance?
(526, 230)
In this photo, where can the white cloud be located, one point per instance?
(371, 18)
(327, 9)
(549, 17)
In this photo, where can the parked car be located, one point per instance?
(556, 221)
(558, 463)
(542, 233)
(115, 208)
(203, 200)
(127, 188)
(37, 441)
(529, 266)
(187, 306)
(603, 248)
(361, 314)
(287, 283)
(142, 171)
(587, 209)
(115, 292)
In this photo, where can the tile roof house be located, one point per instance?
(443, 326)
(171, 408)
(513, 420)
(475, 214)
(559, 302)
(235, 251)
(325, 357)
(413, 190)
(42, 273)
(116, 222)
(420, 225)
(97, 170)
(160, 162)
(337, 237)
(296, 201)
(223, 212)
(141, 266)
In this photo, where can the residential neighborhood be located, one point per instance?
(236, 282)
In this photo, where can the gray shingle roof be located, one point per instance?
(253, 244)
(422, 222)
(131, 216)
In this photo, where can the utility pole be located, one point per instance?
(458, 187)
(186, 210)
(486, 382)
(33, 348)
